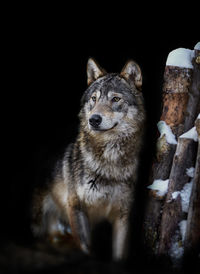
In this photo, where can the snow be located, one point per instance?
(164, 129)
(182, 227)
(180, 57)
(185, 196)
(177, 249)
(190, 134)
(160, 185)
(190, 172)
(185, 193)
(197, 46)
(175, 194)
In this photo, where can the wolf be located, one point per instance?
(95, 179)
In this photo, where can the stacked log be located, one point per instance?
(192, 237)
(177, 199)
(166, 213)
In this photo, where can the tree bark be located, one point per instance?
(175, 98)
(193, 107)
(176, 86)
(192, 238)
(184, 158)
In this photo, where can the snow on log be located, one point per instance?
(180, 186)
(164, 129)
(185, 194)
(192, 239)
(190, 134)
(160, 187)
(177, 80)
(180, 58)
(197, 46)
(177, 250)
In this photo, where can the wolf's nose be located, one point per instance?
(95, 120)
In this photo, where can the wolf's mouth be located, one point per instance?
(104, 129)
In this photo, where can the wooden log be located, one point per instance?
(175, 205)
(192, 237)
(175, 97)
(184, 158)
(193, 106)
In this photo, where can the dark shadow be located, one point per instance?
(102, 241)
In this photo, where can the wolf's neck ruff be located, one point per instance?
(110, 159)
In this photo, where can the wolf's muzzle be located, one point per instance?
(95, 120)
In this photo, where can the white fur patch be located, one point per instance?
(93, 196)
(132, 112)
(112, 152)
(98, 94)
(109, 195)
(109, 168)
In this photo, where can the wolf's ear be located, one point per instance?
(132, 73)
(94, 71)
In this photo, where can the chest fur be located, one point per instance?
(112, 164)
(105, 197)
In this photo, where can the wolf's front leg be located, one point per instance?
(80, 228)
(120, 239)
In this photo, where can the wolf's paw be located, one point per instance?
(62, 241)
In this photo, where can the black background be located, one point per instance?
(45, 76)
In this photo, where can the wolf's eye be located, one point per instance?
(116, 99)
(94, 98)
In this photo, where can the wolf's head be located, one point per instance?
(113, 102)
